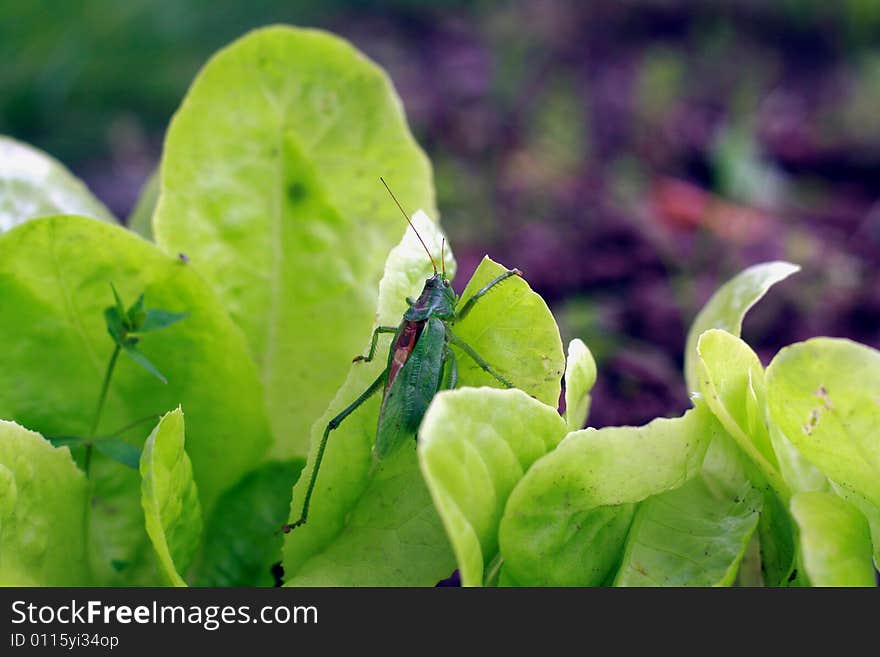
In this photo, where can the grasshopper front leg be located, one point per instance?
(333, 424)
(375, 340)
(466, 308)
(479, 360)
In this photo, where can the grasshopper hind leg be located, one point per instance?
(331, 426)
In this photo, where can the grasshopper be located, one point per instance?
(420, 363)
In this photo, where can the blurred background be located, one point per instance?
(629, 155)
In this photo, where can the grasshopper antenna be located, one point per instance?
(443, 256)
(406, 216)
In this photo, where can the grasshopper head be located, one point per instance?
(441, 283)
(437, 299)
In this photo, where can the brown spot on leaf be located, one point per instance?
(813, 421)
(822, 393)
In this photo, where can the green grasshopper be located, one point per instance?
(420, 363)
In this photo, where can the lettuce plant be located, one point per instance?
(266, 229)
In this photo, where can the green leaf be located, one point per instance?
(32, 184)
(270, 185)
(824, 395)
(729, 305)
(136, 314)
(871, 513)
(689, 537)
(474, 446)
(512, 328)
(141, 218)
(835, 540)
(156, 319)
(144, 362)
(65, 441)
(366, 525)
(42, 505)
(800, 475)
(750, 574)
(391, 536)
(776, 532)
(114, 325)
(567, 519)
(242, 541)
(120, 552)
(695, 535)
(52, 313)
(580, 377)
(169, 497)
(824, 398)
(732, 382)
(505, 579)
(120, 451)
(118, 300)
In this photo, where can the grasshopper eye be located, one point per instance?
(445, 282)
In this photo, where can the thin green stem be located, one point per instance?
(101, 399)
(112, 434)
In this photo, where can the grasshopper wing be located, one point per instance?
(409, 394)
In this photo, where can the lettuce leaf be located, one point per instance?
(269, 184)
(33, 184)
(43, 499)
(169, 498)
